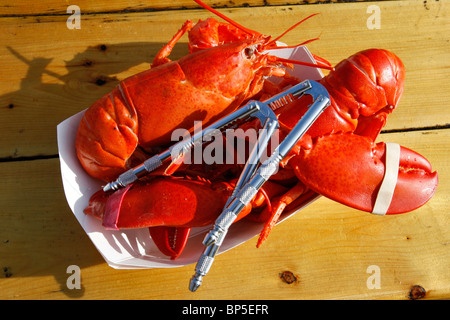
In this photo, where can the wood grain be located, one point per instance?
(50, 73)
(55, 7)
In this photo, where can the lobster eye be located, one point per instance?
(249, 52)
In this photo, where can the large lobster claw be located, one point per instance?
(167, 206)
(352, 170)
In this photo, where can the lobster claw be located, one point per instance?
(354, 171)
(170, 240)
(168, 206)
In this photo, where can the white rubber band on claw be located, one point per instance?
(387, 187)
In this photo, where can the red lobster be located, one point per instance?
(144, 109)
(337, 158)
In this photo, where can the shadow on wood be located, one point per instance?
(39, 234)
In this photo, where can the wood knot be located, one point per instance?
(88, 63)
(7, 272)
(417, 292)
(100, 81)
(288, 277)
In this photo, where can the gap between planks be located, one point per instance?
(54, 156)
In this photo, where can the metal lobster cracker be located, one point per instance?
(252, 182)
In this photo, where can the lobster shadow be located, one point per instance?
(96, 71)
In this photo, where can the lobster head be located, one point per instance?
(212, 33)
(237, 69)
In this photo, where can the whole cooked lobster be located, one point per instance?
(228, 65)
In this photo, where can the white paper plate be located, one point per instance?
(132, 249)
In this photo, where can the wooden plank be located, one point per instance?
(51, 7)
(51, 72)
(327, 246)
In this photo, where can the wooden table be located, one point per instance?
(50, 72)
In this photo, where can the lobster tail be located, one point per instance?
(107, 134)
(385, 69)
(366, 106)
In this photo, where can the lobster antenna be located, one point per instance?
(224, 17)
(294, 46)
(320, 64)
(251, 32)
(291, 28)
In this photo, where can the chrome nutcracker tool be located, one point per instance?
(252, 184)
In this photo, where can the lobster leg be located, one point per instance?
(354, 171)
(162, 56)
(274, 214)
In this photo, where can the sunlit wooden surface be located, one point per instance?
(50, 72)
